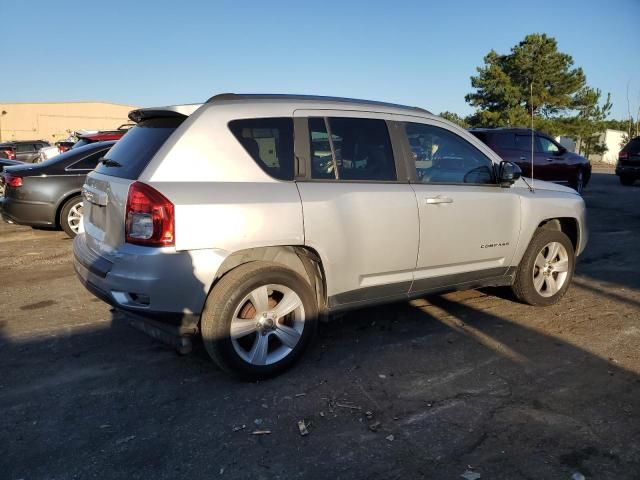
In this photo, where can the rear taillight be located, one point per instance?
(623, 155)
(11, 180)
(149, 217)
(11, 155)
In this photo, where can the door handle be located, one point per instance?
(437, 200)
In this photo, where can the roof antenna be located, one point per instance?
(532, 136)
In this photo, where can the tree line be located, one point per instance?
(535, 79)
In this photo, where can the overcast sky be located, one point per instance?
(413, 52)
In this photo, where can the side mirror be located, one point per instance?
(508, 173)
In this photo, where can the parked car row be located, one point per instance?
(26, 151)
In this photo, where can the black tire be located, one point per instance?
(64, 215)
(523, 287)
(225, 297)
(626, 180)
(579, 182)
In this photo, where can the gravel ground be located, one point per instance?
(463, 382)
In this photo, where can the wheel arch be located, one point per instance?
(567, 225)
(64, 198)
(305, 261)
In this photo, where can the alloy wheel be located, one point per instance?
(74, 217)
(550, 270)
(267, 324)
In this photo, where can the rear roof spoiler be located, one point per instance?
(163, 112)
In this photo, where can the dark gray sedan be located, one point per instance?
(48, 194)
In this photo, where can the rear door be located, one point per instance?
(360, 212)
(106, 188)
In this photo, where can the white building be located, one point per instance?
(611, 138)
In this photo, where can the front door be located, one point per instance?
(551, 156)
(359, 214)
(469, 225)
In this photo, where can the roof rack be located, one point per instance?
(317, 98)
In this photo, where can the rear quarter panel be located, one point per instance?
(223, 199)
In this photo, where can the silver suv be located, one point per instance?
(246, 218)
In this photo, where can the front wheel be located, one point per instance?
(546, 269)
(258, 320)
(71, 216)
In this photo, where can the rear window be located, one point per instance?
(632, 146)
(269, 141)
(133, 152)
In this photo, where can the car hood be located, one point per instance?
(554, 187)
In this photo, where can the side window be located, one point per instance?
(269, 141)
(89, 162)
(444, 157)
(523, 142)
(25, 148)
(358, 149)
(504, 140)
(547, 146)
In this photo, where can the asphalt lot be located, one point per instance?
(469, 381)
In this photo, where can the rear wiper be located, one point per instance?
(109, 163)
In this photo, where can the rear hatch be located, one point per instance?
(106, 188)
(630, 154)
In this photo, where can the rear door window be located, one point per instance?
(269, 141)
(133, 152)
(523, 142)
(504, 140)
(358, 149)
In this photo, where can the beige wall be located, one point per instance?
(54, 121)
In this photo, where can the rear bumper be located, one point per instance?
(34, 214)
(631, 170)
(158, 284)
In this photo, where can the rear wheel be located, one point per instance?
(258, 320)
(626, 180)
(71, 216)
(546, 269)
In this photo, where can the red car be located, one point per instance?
(100, 136)
(551, 161)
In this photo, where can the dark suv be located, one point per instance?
(628, 167)
(24, 151)
(551, 161)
